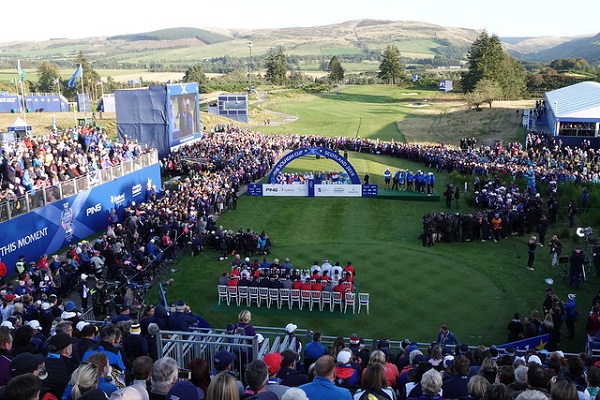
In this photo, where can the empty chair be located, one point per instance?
(222, 293)
(363, 301)
(295, 298)
(263, 295)
(232, 294)
(315, 298)
(253, 295)
(350, 301)
(305, 298)
(243, 294)
(326, 300)
(273, 297)
(284, 297)
(336, 299)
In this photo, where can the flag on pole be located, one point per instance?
(21, 72)
(77, 74)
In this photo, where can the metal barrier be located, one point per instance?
(42, 197)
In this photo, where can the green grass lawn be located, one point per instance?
(473, 287)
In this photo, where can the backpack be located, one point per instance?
(373, 395)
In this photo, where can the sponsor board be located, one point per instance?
(285, 190)
(338, 190)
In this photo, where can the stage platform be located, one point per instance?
(408, 195)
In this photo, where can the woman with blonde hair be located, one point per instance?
(379, 357)
(84, 382)
(223, 387)
(477, 387)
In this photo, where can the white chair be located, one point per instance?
(295, 298)
(273, 297)
(305, 298)
(363, 301)
(326, 299)
(284, 297)
(337, 299)
(253, 295)
(350, 300)
(263, 294)
(232, 294)
(315, 298)
(243, 294)
(223, 293)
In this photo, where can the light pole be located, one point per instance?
(249, 61)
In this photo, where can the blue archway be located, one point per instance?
(317, 151)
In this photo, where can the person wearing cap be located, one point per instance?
(84, 291)
(223, 361)
(87, 337)
(123, 315)
(273, 361)
(183, 390)
(345, 375)
(322, 387)
(181, 319)
(571, 315)
(288, 374)
(134, 344)
(290, 330)
(59, 363)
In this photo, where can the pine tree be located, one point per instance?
(487, 60)
(336, 71)
(391, 69)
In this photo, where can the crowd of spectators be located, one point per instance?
(43, 162)
(212, 171)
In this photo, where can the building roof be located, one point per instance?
(579, 101)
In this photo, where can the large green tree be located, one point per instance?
(336, 71)
(487, 60)
(196, 74)
(48, 78)
(276, 65)
(391, 69)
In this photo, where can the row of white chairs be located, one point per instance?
(280, 297)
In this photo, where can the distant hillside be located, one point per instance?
(204, 36)
(186, 46)
(587, 47)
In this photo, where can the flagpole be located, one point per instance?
(83, 93)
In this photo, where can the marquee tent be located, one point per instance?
(574, 110)
(20, 127)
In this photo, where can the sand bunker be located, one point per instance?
(416, 105)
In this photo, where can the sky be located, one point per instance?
(42, 20)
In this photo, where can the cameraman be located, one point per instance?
(576, 266)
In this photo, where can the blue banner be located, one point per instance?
(537, 342)
(48, 229)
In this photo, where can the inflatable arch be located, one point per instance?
(317, 151)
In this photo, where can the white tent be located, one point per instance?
(575, 109)
(19, 126)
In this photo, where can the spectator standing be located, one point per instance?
(571, 315)
(315, 349)
(531, 246)
(515, 329)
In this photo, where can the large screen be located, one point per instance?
(184, 121)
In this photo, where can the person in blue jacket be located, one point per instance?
(322, 386)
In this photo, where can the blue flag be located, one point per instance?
(77, 74)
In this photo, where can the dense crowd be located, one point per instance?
(37, 336)
(42, 162)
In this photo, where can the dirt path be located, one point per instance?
(282, 118)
